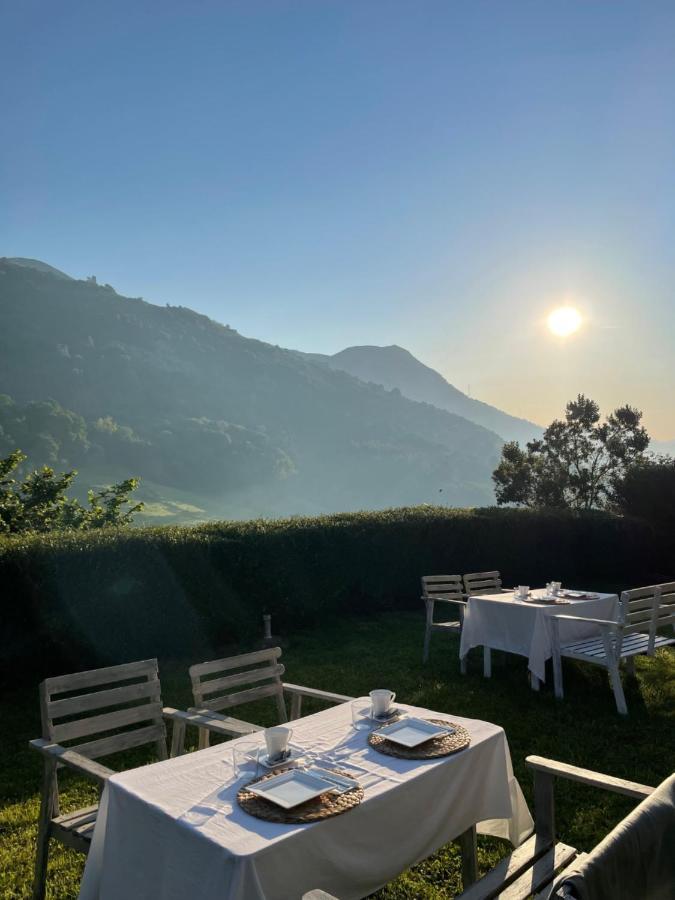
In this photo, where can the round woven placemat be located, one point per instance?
(323, 807)
(443, 745)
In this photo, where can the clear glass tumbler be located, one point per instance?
(245, 758)
(361, 718)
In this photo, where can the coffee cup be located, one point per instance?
(277, 739)
(381, 701)
(523, 591)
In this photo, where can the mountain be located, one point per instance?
(663, 447)
(37, 265)
(394, 367)
(213, 420)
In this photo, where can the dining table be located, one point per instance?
(174, 829)
(502, 621)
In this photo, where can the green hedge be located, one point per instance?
(110, 596)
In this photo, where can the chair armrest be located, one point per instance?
(456, 600)
(328, 696)
(211, 721)
(607, 622)
(587, 776)
(72, 759)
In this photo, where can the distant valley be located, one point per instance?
(218, 425)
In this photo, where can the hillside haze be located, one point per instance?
(223, 424)
(395, 367)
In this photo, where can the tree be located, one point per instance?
(39, 502)
(577, 464)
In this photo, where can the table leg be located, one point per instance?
(467, 844)
(487, 663)
(534, 682)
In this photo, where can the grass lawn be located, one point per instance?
(354, 656)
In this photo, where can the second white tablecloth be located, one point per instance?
(502, 623)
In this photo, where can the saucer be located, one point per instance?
(393, 712)
(292, 755)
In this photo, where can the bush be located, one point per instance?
(93, 598)
(648, 491)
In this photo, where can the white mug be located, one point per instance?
(523, 591)
(381, 701)
(277, 739)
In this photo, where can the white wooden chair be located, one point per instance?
(212, 684)
(83, 715)
(531, 869)
(443, 589)
(483, 583)
(642, 613)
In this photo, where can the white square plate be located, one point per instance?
(411, 732)
(291, 788)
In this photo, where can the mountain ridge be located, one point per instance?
(38, 265)
(186, 402)
(394, 367)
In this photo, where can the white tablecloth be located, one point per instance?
(173, 830)
(502, 623)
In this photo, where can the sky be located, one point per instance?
(438, 175)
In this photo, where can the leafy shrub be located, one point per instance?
(91, 598)
(648, 491)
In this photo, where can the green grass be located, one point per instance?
(352, 656)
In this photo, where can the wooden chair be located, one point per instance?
(83, 715)
(643, 612)
(483, 583)
(212, 684)
(532, 867)
(442, 589)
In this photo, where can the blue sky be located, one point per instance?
(318, 174)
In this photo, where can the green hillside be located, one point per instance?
(241, 426)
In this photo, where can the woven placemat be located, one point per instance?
(323, 807)
(443, 745)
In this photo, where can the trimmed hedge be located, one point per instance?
(92, 598)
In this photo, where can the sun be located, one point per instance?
(564, 321)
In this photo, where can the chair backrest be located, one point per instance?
(633, 860)
(665, 611)
(482, 583)
(71, 708)
(213, 682)
(647, 609)
(442, 587)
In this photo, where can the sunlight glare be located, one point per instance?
(564, 321)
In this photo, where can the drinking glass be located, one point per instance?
(245, 756)
(360, 715)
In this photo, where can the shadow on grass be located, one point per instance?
(353, 657)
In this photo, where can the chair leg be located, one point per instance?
(47, 806)
(203, 739)
(557, 676)
(427, 638)
(630, 666)
(615, 681)
(487, 662)
(177, 739)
